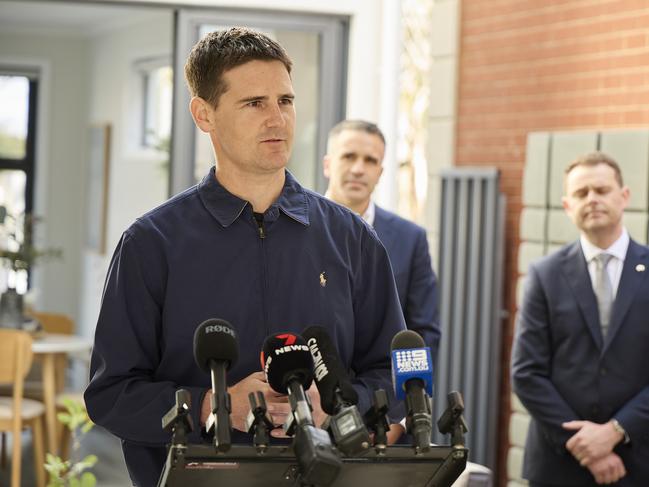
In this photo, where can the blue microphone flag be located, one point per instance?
(411, 363)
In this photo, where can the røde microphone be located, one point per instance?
(412, 376)
(215, 351)
(288, 366)
(338, 398)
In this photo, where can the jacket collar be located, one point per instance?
(226, 207)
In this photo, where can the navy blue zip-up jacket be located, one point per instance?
(201, 255)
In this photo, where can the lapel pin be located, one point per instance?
(640, 268)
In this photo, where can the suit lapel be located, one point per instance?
(630, 282)
(383, 229)
(575, 270)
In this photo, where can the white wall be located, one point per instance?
(137, 181)
(60, 157)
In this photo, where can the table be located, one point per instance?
(47, 347)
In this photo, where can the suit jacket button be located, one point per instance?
(594, 410)
(603, 371)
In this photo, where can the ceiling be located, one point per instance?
(68, 18)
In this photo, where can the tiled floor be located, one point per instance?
(110, 469)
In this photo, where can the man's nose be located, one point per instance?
(358, 167)
(275, 116)
(592, 196)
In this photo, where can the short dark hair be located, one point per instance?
(594, 159)
(360, 125)
(222, 50)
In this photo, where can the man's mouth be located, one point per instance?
(356, 183)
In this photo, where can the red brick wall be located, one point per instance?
(532, 65)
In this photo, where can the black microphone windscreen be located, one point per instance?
(330, 373)
(285, 357)
(216, 340)
(407, 339)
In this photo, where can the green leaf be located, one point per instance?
(88, 480)
(64, 418)
(90, 460)
(74, 482)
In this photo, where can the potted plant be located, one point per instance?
(18, 255)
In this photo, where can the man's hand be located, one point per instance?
(318, 414)
(592, 441)
(607, 469)
(277, 404)
(395, 432)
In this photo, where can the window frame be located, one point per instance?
(28, 163)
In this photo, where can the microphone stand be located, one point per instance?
(221, 408)
(377, 422)
(177, 420)
(452, 421)
(258, 421)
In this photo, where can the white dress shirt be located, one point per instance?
(614, 267)
(369, 214)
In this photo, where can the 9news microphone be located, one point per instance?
(215, 351)
(412, 376)
(338, 398)
(288, 365)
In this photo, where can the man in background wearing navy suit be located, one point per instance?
(580, 362)
(353, 164)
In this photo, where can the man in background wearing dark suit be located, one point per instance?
(353, 164)
(580, 362)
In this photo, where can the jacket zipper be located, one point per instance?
(264, 291)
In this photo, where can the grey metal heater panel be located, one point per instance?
(470, 276)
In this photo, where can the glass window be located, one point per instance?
(12, 199)
(14, 111)
(158, 90)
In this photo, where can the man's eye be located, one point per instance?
(286, 101)
(254, 103)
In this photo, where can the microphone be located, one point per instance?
(412, 376)
(288, 366)
(338, 398)
(215, 350)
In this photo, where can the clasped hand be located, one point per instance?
(592, 445)
(277, 404)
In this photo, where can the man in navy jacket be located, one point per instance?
(580, 361)
(247, 244)
(354, 164)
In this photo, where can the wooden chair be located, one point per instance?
(51, 323)
(64, 325)
(16, 412)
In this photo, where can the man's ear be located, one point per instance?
(326, 160)
(201, 113)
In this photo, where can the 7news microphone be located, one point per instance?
(412, 376)
(338, 398)
(288, 366)
(215, 350)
